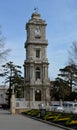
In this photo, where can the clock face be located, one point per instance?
(37, 31)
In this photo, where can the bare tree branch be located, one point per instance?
(73, 53)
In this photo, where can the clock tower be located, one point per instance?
(37, 83)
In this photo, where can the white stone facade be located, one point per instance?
(37, 83)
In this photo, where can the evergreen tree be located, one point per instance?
(12, 74)
(61, 90)
(69, 75)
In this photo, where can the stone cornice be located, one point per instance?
(28, 42)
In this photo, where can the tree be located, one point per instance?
(3, 52)
(73, 96)
(69, 74)
(12, 74)
(61, 90)
(18, 82)
(62, 86)
(73, 53)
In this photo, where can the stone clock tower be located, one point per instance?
(37, 83)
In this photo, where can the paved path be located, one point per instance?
(20, 122)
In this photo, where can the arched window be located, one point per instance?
(37, 73)
(38, 95)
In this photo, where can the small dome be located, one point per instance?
(36, 16)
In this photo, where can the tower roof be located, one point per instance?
(36, 19)
(36, 15)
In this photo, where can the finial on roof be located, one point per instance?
(36, 10)
(36, 15)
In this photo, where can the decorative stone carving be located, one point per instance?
(36, 78)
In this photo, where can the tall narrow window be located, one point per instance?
(37, 73)
(38, 53)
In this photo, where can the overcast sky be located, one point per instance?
(61, 31)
